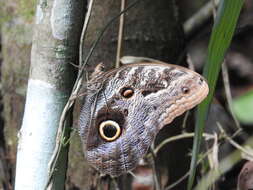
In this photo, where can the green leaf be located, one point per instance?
(243, 107)
(222, 32)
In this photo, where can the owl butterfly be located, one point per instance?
(125, 108)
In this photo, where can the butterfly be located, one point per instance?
(125, 108)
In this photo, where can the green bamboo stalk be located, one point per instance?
(56, 39)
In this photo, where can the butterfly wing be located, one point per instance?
(138, 100)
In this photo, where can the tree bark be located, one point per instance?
(55, 46)
(152, 29)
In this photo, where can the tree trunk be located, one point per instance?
(55, 46)
(152, 29)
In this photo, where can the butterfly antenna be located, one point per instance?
(132, 174)
(94, 108)
(107, 107)
(86, 76)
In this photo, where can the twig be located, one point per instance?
(120, 35)
(132, 174)
(178, 181)
(228, 93)
(232, 142)
(213, 156)
(187, 173)
(74, 65)
(178, 137)
(157, 183)
(223, 135)
(224, 166)
(85, 27)
(199, 18)
(190, 62)
(185, 120)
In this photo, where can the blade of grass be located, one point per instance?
(222, 32)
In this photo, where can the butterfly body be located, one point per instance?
(135, 101)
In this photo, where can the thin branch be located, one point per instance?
(120, 35)
(228, 93)
(190, 62)
(178, 137)
(178, 181)
(235, 144)
(208, 136)
(153, 156)
(199, 18)
(85, 27)
(187, 173)
(224, 166)
(213, 156)
(185, 120)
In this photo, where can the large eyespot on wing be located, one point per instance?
(109, 130)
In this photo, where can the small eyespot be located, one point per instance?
(201, 80)
(109, 130)
(127, 92)
(185, 90)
